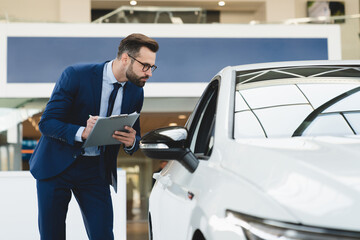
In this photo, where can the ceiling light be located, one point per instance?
(133, 2)
(182, 116)
(221, 3)
(172, 124)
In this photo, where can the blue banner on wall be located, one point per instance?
(42, 59)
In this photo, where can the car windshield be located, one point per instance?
(301, 101)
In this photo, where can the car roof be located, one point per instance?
(312, 63)
(299, 69)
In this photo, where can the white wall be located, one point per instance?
(46, 10)
(75, 11)
(18, 209)
(280, 10)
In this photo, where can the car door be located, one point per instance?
(171, 202)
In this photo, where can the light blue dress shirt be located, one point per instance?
(107, 87)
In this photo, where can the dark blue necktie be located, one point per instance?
(112, 99)
(107, 168)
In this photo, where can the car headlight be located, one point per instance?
(261, 229)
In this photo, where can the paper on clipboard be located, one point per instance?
(104, 128)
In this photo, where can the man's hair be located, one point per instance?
(132, 44)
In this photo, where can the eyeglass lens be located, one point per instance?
(146, 66)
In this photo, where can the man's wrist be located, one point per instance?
(79, 134)
(130, 148)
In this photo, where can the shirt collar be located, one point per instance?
(110, 78)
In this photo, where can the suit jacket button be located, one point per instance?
(74, 156)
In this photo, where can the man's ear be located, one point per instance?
(125, 58)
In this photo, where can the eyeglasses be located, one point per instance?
(146, 66)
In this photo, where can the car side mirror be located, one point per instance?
(169, 143)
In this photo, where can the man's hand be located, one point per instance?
(126, 137)
(89, 126)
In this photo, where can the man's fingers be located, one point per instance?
(130, 130)
(127, 137)
(89, 126)
(125, 134)
(128, 141)
(91, 122)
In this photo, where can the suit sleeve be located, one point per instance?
(54, 122)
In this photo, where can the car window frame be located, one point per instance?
(206, 106)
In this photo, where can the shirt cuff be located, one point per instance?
(79, 133)
(129, 149)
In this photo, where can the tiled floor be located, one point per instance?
(137, 230)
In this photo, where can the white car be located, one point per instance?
(271, 151)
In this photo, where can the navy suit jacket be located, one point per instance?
(77, 95)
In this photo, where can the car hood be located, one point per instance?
(316, 180)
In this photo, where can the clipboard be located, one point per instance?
(104, 128)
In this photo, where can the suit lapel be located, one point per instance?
(97, 79)
(126, 98)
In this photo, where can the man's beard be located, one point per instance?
(135, 79)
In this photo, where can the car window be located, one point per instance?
(354, 121)
(333, 117)
(324, 125)
(283, 109)
(275, 96)
(348, 104)
(201, 130)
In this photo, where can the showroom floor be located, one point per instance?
(137, 230)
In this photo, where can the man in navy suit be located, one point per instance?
(59, 163)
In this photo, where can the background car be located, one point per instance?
(271, 151)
